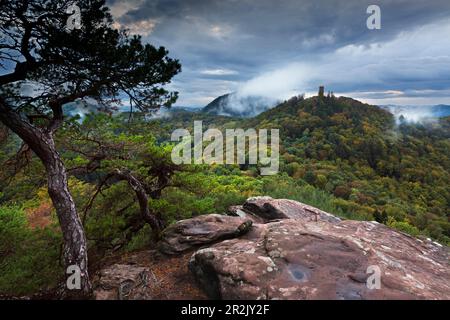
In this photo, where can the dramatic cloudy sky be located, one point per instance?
(280, 48)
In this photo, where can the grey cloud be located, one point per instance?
(262, 36)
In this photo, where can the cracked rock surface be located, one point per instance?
(294, 251)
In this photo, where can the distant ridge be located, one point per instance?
(231, 104)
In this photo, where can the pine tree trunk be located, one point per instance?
(75, 244)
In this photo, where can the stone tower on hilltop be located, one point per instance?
(321, 92)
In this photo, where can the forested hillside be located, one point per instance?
(373, 166)
(396, 174)
(337, 154)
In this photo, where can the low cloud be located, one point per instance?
(418, 114)
(219, 72)
(143, 27)
(120, 8)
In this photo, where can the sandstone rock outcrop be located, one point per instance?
(294, 251)
(280, 249)
(202, 230)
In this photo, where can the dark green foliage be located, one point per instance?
(29, 258)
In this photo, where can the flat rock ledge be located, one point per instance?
(283, 249)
